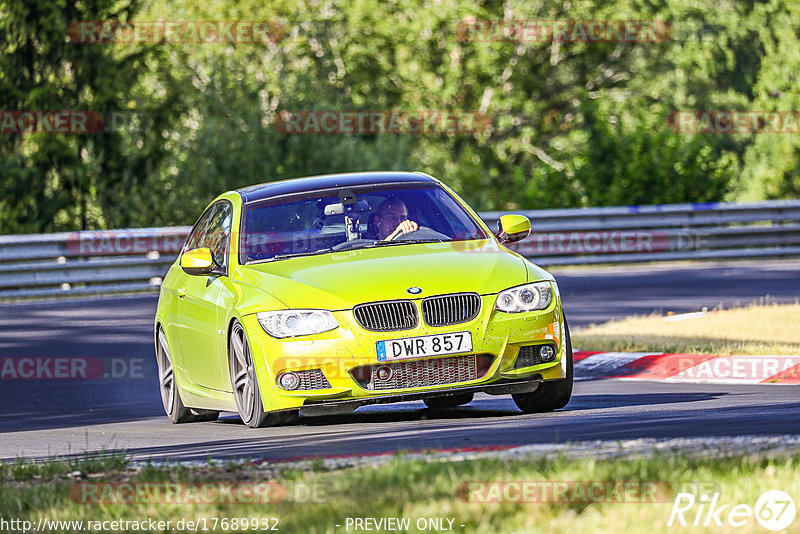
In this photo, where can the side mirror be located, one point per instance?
(198, 262)
(513, 228)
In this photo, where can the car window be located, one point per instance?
(196, 235)
(218, 232)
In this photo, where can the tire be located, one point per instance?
(451, 401)
(245, 383)
(550, 395)
(170, 393)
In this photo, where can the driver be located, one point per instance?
(391, 220)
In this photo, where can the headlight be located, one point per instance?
(530, 297)
(291, 323)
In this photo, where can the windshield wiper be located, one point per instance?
(403, 242)
(430, 240)
(299, 254)
(367, 245)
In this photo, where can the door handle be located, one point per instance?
(182, 293)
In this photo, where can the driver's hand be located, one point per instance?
(405, 227)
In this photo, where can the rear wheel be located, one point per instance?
(245, 384)
(451, 401)
(553, 394)
(170, 397)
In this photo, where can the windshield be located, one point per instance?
(351, 219)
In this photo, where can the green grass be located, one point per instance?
(415, 489)
(110, 462)
(754, 329)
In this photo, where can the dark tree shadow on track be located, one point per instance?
(303, 441)
(483, 408)
(103, 402)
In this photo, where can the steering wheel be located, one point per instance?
(423, 231)
(395, 236)
(402, 233)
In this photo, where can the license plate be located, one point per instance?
(415, 347)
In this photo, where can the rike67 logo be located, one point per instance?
(774, 510)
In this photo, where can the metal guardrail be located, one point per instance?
(135, 260)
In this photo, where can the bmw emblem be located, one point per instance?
(414, 290)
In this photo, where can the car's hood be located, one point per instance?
(343, 279)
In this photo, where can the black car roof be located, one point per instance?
(329, 181)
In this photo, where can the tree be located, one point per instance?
(55, 181)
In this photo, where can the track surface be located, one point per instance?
(53, 417)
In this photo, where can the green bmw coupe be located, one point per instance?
(319, 295)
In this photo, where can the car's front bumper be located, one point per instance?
(338, 352)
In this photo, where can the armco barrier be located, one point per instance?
(135, 260)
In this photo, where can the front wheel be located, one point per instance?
(553, 394)
(245, 384)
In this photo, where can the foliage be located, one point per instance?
(572, 123)
(57, 181)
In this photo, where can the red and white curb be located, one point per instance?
(767, 369)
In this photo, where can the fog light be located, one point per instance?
(289, 381)
(547, 353)
(383, 373)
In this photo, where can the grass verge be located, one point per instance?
(754, 329)
(315, 501)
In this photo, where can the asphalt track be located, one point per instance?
(54, 417)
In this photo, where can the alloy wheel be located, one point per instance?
(244, 382)
(166, 374)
